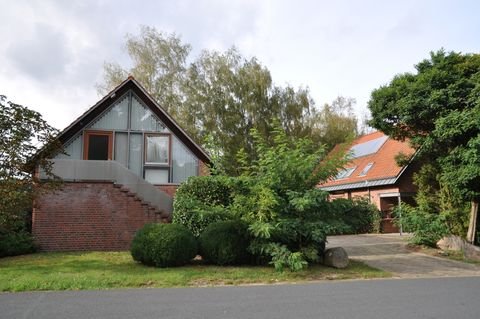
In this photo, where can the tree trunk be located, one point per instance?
(473, 222)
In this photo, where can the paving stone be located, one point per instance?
(389, 252)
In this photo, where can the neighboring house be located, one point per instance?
(373, 173)
(125, 158)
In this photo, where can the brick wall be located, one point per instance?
(92, 216)
(88, 216)
(169, 189)
(203, 169)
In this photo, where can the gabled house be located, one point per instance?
(125, 158)
(374, 174)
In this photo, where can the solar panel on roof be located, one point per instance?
(367, 148)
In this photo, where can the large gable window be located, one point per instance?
(115, 118)
(157, 158)
(143, 119)
(157, 149)
(132, 133)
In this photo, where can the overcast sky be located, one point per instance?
(52, 52)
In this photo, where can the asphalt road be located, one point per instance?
(437, 298)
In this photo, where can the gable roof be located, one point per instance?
(373, 163)
(131, 84)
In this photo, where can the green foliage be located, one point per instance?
(334, 123)
(203, 200)
(163, 245)
(212, 190)
(427, 228)
(358, 215)
(289, 218)
(159, 64)
(283, 257)
(23, 132)
(438, 108)
(226, 243)
(219, 96)
(142, 242)
(16, 243)
(276, 195)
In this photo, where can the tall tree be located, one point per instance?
(220, 96)
(229, 95)
(438, 108)
(159, 63)
(334, 123)
(23, 132)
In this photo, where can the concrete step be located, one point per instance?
(147, 205)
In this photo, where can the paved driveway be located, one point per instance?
(389, 252)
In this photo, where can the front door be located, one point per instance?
(97, 145)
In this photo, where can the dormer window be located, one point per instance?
(365, 169)
(345, 172)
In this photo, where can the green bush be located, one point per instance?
(201, 201)
(16, 243)
(427, 228)
(163, 245)
(275, 193)
(358, 215)
(226, 243)
(211, 190)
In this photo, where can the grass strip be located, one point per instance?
(104, 270)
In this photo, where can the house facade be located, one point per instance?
(124, 159)
(373, 173)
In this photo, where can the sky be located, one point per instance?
(52, 52)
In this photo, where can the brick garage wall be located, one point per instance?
(88, 216)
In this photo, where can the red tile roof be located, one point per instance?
(384, 164)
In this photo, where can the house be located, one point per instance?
(125, 157)
(373, 173)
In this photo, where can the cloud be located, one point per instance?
(42, 54)
(52, 51)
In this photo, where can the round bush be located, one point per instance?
(16, 243)
(225, 243)
(163, 245)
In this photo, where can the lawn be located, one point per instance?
(103, 270)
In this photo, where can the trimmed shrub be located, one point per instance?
(201, 201)
(358, 215)
(211, 190)
(427, 228)
(364, 217)
(18, 243)
(226, 243)
(198, 216)
(163, 245)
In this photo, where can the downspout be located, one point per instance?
(400, 212)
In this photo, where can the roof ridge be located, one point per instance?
(133, 84)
